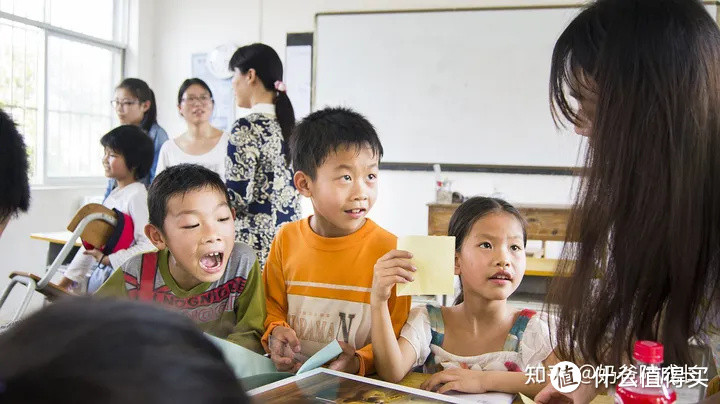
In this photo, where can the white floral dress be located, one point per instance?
(527, 344)
(259, 179)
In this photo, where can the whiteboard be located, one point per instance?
(462, 87)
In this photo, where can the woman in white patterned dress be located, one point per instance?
(258, 172)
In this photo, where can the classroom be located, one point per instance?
(396, 133)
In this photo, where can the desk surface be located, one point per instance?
(414, 379)
(56, 237)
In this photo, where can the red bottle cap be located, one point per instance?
(648, 352)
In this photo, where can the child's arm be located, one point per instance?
(138, 211)
(478, 381)
(286, 341)
(159, 139)
(250, 310)
(394, 314)
(77, 269)
(114, 286)
(243, 155)
(393, 358)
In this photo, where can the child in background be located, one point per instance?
(199, 269)
(319, 270)
(481, 343)
(134, 104)
(128, 157)
(85, 350)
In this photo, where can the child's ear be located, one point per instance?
(155, 236)
(144, 106)
(234, 215)
(302, 183)
(457, 263)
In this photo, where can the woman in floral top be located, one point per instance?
(258, 173)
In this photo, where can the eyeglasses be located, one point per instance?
(203, 99)
(123, 103)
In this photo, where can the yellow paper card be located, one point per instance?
(434, 258)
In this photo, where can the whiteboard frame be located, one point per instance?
(483, 168)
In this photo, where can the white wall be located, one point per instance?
(182, 28)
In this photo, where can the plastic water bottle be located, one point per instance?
(648, 356)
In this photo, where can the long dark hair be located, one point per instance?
(647, 216)
(470, 212)
(88, 350)
(269, 69)
(142, 92)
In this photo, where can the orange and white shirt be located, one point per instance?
(320, 287)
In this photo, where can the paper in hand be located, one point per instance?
(321, 357)
(434, 258)
(525, 399)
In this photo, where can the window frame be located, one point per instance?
(120, 30)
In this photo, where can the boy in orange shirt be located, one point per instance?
(319, 271)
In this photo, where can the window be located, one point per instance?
(58, 69)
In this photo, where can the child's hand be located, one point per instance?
(347, 361)
(65, 284)
(283, 345)
(549, 395)
(393, 267)
(98, 255)
(463, 380)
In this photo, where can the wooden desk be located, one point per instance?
(56, 241)
(414, 380)
(544, 223)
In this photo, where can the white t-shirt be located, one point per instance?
(171, 154)
(132, 200)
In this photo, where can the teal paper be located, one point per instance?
(321, 357)
(243, 361)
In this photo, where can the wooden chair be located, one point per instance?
(94, 223)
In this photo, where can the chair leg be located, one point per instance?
(29, 292)
(6, 292)
(30, 287)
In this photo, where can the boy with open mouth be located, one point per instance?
(198, 268)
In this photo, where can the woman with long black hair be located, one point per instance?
(258, 172)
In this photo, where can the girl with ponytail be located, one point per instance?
(134, 104)
(258, 173)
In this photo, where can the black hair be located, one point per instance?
(472, 210)
(89, 350)
(142, 92)
(180, 179)
(14, 182)
(269, 69)
(187, 83)
(134, 145)
(646, 220)
(324, 131)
